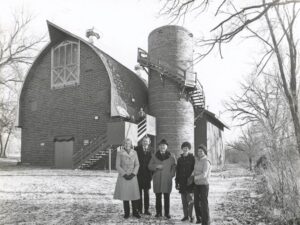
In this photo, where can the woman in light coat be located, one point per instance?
(163, 164)
(201, 174)
(127, 188)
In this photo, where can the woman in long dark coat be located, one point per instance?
(163, 164)
(184, 169)
(127, 189)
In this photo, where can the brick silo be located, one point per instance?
(171, 48)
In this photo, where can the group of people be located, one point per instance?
(138, 167)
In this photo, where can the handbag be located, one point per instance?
(190, 180)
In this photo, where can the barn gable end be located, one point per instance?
(77, 113)
(209, 131)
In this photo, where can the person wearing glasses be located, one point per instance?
(144, 175)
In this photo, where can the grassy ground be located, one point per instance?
(30, 195)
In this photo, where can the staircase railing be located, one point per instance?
(142, 129)
(201, 95)
(89, 150)
(180, 76)
(162, 67)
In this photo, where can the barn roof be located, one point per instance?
(119, 75)
(212, 117)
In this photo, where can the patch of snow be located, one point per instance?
(30, 195)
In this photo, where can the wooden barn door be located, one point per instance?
(63, 154)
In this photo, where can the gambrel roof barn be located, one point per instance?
(70, 94)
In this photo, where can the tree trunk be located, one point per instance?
(250, 163)
(1, 145)
(296, 123)
(6, 144)
(292, 99)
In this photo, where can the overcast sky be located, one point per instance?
(124, 26)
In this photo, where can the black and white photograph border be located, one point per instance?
(84, 83)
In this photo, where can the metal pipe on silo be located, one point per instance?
(171, 46)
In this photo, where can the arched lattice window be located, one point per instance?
(65, 64)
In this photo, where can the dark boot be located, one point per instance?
(197, 204)
(146, 202)
(140, 201)
(158, 205)
(185, 218)
(135, 210)
(167, 205)
(126, 209)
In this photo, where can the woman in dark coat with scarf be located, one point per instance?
(184, 169)
(163, 164)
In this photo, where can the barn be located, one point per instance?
(209, 131)
(71, 93)
(78, 103)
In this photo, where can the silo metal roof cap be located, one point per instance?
(176, 27)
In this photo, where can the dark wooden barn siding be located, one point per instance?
(215, 145)
(209, 131)
(70, 111)
(201, 132)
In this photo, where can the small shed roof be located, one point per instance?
(212, 117)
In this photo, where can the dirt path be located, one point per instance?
(43, 196)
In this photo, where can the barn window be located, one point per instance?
(65, 64)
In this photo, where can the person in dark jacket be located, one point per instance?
(184, 169)
(144, 175)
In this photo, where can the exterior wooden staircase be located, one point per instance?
(186, 80)
(90, 154)
(147, 126)
(142, 129)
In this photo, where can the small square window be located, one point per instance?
(86, 142)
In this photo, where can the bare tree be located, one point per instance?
(8, 106)
(249, 143)
(263, 105)
(262, 108)
(261, 102)
(272, 22)
(18, 47)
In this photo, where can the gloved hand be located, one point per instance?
(131, 176)
(126, 177)
(177, 186)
